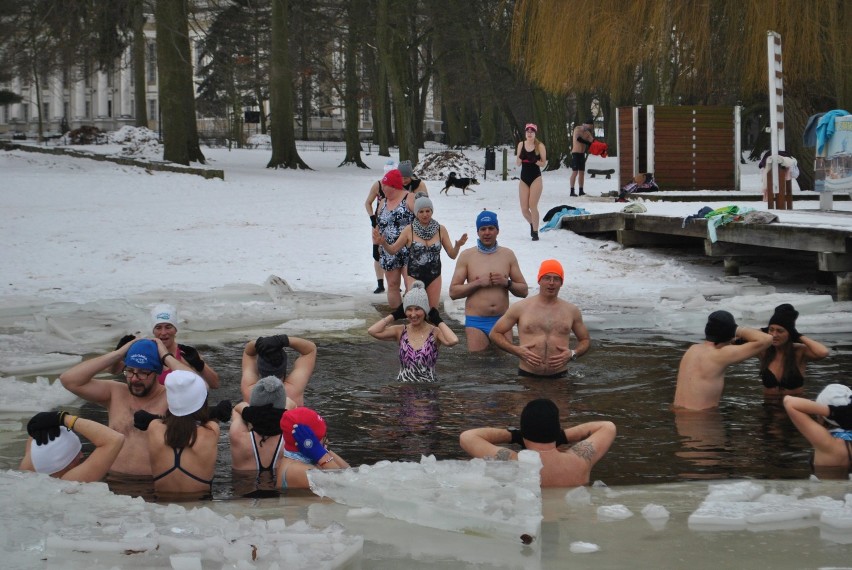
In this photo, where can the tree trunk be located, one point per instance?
(284, 153)
(139, 79)
(177, 92)
(357, 8)
(378, 94)
(394, 54)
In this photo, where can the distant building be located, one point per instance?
(85, 95)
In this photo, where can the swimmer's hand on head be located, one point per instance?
(124, 340)
(841, 415)
(308, 443)
(191, 357)
(221, 411)
(434, 317)
(44, 426)
(142, 419)
(266, 345)
(518, 438)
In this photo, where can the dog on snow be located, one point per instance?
(462, 183)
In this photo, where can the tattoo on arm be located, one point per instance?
(584, 449)
(501, 455)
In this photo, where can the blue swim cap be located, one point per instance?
(486, 218)
(143, 354)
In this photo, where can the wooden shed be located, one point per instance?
(687, 148)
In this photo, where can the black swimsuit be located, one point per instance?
(178, 467)
(529, 169)
(794, 382)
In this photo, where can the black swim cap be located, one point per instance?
(540, 421)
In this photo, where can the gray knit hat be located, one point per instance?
(405, 168)
(416, 297)
(269, 390)
(423, 202)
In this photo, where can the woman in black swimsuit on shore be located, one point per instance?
(782, 365)
(531, 156)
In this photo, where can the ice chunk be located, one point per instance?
(578, 496)
(584, 547)
(741, 491)
(614, 513)
(491, 498)
(68, 524)
(652, 511)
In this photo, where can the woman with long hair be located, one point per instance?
(183, 444)
(782, 365)
(530, 156)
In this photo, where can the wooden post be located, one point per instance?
(784, 199)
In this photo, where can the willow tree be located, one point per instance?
(708, 52)
(283, 137)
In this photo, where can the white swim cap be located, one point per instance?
(186, 392)
(56, 454)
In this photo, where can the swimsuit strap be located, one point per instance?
(258, 464)
(178, 451)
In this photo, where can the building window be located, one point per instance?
(6, 114)
(88, 112)
(109, 108)
(152, 109)
(65, 109)
(87, 76)
(45, 107)
(109, 78)
(151, 63)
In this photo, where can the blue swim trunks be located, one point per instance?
(485, 324)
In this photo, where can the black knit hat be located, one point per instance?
(540, 421)
(720, 327)
(785, 316)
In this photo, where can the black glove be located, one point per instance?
(398, 314)
(124, 340)
(561, 439)
(44, 426)
(374, 221)
(142, 419)
(517, 438)
(265, 419)
(434, 317)
(267, 345)
(841, 415)
(191, 357)
(795, 336)
(222, 411)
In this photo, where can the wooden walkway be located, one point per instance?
(831, 246)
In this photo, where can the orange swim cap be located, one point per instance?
(550, 266)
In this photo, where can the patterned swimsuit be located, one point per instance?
(390, 224)
(417, 365)
(424, 261)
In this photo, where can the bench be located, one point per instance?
(608, 173)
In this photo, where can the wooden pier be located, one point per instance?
(735, 241)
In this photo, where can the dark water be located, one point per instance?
(628, 379)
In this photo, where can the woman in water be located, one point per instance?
(424, 243)
(782, 365)
(418, 340)
(531, 156)
(183, 444)
(831, 433)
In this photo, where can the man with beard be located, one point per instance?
(484, 277)
(545, 323)
(143, 361)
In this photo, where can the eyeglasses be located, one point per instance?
(551, 279)
(141, 374)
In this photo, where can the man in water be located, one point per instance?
(143, 361)
(484, 276)
(701, 376)
(541, 432)
(545, 323)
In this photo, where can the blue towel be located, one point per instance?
(825, 128)
(557, 217)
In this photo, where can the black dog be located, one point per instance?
(463, 183)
